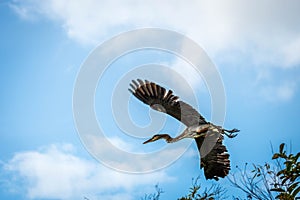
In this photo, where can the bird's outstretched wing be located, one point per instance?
(216, 162)
(164, 101)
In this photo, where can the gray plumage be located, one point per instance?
(216, 161)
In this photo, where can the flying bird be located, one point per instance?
(214, 158)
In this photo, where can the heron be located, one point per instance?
(214, 157)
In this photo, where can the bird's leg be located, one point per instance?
(230, 132)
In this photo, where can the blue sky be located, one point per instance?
(44, 44)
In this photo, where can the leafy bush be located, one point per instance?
(266, 182)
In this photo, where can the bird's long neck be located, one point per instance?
(187, 133)
(170, 139)
(167, 137)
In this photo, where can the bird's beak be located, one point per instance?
(150, 140)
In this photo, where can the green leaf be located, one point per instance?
(280, 172)
(281, 147)
(292, 187)
(297, 156)
(275, 156)
(277, 190)
(284, 180)
(296, 191)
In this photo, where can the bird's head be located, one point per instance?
(157, 137)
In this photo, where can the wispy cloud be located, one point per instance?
(275, 87)
(55, 172)
(121, 160)
(291, 53)
(231, 31)
(219, 27)
(279, 93)
(183, 72)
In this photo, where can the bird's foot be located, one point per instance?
(230, 132)
(233, 130)
(230, 135)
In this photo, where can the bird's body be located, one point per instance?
(209, 137)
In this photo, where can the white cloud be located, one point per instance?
(184, 71)
(266, 26)
(55, 172)
(118, 142)
(258, 33)
(189, 74)
(291, 53)
(116, 158)
(282, 92)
